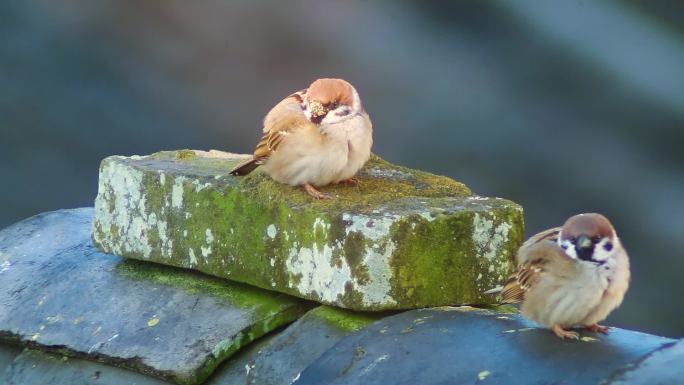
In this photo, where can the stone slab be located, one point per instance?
(7, 355)
(469, 346)
(665, 366)
(401, 239)
(33, 367)
(60, 293)
(280, 359)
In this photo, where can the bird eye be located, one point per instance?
(343, 112)
(333, 105)
(596, 239)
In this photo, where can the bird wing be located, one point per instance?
(535, 259)
(284, 119)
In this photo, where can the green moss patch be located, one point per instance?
(345, 320)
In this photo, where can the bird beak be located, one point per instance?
(583, 242)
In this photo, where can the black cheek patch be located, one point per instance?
(608, 246)
(318, 119)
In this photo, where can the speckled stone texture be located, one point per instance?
(61, 294)
(33, 367)
(472, 346)
(401, 239)
(665, 366)
(280, 358)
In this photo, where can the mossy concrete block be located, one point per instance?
(279, 360)
(401, 239)
(474, 346)
(60, 293)
(33, 367)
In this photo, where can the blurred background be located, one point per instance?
(561, 106)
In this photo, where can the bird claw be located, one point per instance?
(311, 190)
(596, 328)
(350, 182)
(562, 333)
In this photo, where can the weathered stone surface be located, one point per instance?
(60, 293)
(468, 346)
(401, 239)
(33, 367)
(665, 366)
(278, 360)
(7, 354)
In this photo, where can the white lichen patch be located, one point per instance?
(177, 192)
(271, 231)
(377, 261)
(120, 207)
(206, 252)
(208, 239)
(318, 273)
(166, 243)
(193, 258)
(329, 280)
(483, 375)
(199, 186)
(373, 228)
(490, 241)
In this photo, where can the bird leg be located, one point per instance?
(350, 182)
(596, 328)
(311, 190)
(562, 333)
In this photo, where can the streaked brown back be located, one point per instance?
(536, 258)
(283, 119)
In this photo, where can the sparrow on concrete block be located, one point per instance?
(570, 276)
(314, 137)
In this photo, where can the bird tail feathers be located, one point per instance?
(246, 167)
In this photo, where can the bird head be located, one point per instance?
(589, 237)
(330, 101)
